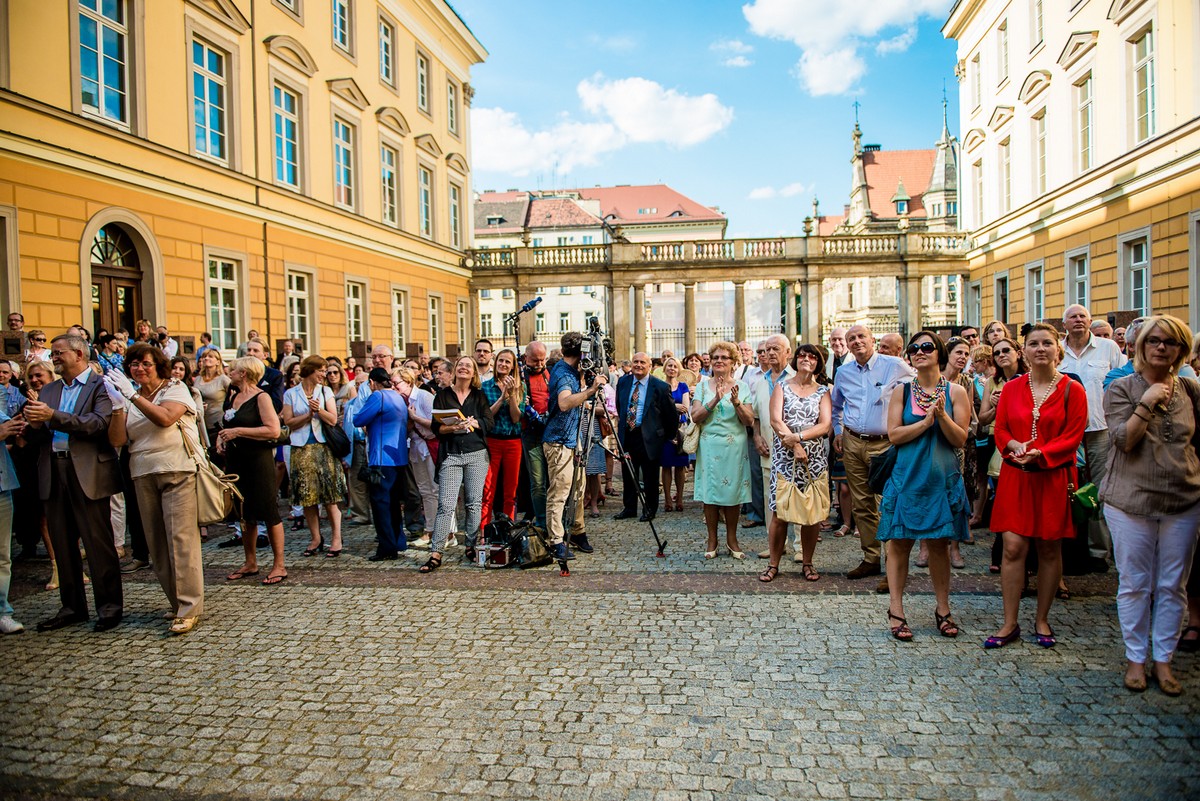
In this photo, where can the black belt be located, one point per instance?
(61, 454)
(866, 437)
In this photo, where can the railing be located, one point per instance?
(868, 245)
(943, 243)
(763, 249)
(504, 257)
(571, 255)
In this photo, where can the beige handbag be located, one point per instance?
(216, 491)
(806, 507)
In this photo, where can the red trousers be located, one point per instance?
(505, 467)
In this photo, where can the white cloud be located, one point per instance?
(770, 192)
(628, 110)
(829, 34)
(618, 43)
(737, 61)
(731, 46)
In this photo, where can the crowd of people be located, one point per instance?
(902, 444)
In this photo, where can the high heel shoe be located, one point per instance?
(314, 551)
(710, 554)
(735, 554)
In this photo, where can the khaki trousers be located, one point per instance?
(356, 490)
(167, 502)
(562, 480)
(856, 456)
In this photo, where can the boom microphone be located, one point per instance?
(529, 306)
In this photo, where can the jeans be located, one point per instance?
(387, 510)
(6, 519)
(535, 460)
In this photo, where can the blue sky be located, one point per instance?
(743, 106)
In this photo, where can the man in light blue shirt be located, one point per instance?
(860, 398)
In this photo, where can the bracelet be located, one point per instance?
(1138, 416)
(1143, 405)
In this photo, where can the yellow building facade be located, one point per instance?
(292, 166)
(1079, 172)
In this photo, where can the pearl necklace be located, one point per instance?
(1037, 404)
(926, 400)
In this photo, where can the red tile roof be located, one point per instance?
(623, 203)
(559, 213)
(885, 169)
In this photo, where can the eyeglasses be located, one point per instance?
(923, 347)
(806, 356)
(37, 339)
(1154, 342)
(720, 357)
(1002, 351)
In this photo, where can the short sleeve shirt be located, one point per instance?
(160, 449)
(563, 427)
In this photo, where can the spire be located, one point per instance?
(901, 194)
(945, 122)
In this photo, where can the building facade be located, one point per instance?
(1080, 155)
(292, 166)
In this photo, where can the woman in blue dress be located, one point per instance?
(925, 498)
(674, 463)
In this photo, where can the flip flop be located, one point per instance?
(241, 574)
(271, 581)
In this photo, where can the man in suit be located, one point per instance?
(646, 420)
(77, 475)
(272, 380)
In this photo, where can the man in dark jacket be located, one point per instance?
(646, 420)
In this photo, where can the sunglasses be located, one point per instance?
(38, 339)
(1002, 351)
(921, 347)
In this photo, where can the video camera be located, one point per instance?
(595, 351)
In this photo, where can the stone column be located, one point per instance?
(639, 318)
(961, 311)
(789, 312)
(527, 321)
(689, 319)
(739, 311)
(812, 310)
(619, 298)
(910, 306)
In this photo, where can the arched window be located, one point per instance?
(116, 280)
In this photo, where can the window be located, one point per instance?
(1035, 298)
(485, 325)
(223, 303)
(286, 109)
(424, 202)
(485, 294)
(974, 310)
(850, 294)
(563, 240)
(1001, 304)
(951, 208)
(976, 82)
(435, 324)
(564, 322)
(356, 328)
(389, 184)
(455, 216)
(298, 308)
(452, 107)
(1039, 154)
(343, 25)
(1143, 87)
(462, 326)
(1083, 127)
(387, 52)
(104, 59)
(1002, 51)
(1005, 177)
(952, 289)
(588, 239)
(539, 323)
(399, 319)
(1077, 277)
(902, 207)
(423, 82)
(506, 294)
(564, 290)
(979, 193)
(1037, 24)
(1135, 272)
(937, 291)
(343, 163)
(209, 101)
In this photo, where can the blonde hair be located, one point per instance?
(475, 382)
(33, 364)
(251, 366)
(981, 352)
(407, 375)
(735, 356)
(1053, 332)
(216, 354)
(1171, 326)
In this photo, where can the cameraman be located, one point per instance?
(562, 434)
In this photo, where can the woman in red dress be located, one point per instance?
(1039, 424)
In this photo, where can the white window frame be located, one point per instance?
(452, 107)
(210, 79)
(1002, 52)
(485, 325)
(300, 118)
(539, 323)
(425, 200)
(389, 183)
(974, 303)
(976, 81)
(307, 333)
(387, 51)
(1071, 277)
(1037, 24)
(346, 44)
(997, 313)
(464, 314)
(238, 285)
(980, 196)
(1004, 159)
(401, 333)
(1038, 143)
(564, 322)
(345, 148)
(1035, 291)
(436, 308)
(132, 117)
(1085, 123)
(454, 199)
(1125, 268)
(1138, 65)
(356, 309)
(422, 76)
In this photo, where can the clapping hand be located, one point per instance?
(120, 382)
(37, 412)
(115, 395)
(12, 428)
(939, 407)
(733, 394)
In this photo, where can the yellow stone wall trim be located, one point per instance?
(225, 12)
(290, 51)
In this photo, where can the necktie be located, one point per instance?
(631, 416)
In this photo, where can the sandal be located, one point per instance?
(841, 531)
(271, 581)
(769, 574)
(239, 574)
(945, 624)
(1062, 594)
(902, 632)
(315, 550)
(922, 561)
(433, 564)
(810, 572)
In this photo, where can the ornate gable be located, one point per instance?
(457, 162)
(1120, 10)
(393, 120)
(427, 143)
(224, 12)
(974, 138)
(348, 90)
(1001, 116)
(291, 52)
(1035, 83)
(1078, 46)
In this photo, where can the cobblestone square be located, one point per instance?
(634, 678)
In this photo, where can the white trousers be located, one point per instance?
(118, 519)
(1154, 558)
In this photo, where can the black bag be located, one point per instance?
(369, 475)
(881, 470)
(530, 547)
(336, 439)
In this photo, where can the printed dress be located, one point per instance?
(800, 413)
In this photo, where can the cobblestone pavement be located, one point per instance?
(634, 678)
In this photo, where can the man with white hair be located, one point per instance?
(1102, 329)
(839, 354)
(777, 354)
(1090, 358)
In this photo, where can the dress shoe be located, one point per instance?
(882, 586)
(624, 514)
(182, 625)
(580, 543)
(645, 518)
(233, 542)
(262, 541)
(865, 569)
(60, 622)
(383, 557)
(134, 565)
(422, 543)
(107, 623)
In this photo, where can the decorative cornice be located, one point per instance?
(1001, 116)
(468, 93)
(225, 12)
(457, 162)
(1078, 46)
(348, 90)
(974, 138)
(291, 52)
(392, 119)
(427, 143)
(1035, 83)
(1120, 10)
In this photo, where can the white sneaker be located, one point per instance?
(452, 541)
(10, 626)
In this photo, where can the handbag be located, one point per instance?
(808, 506)
(532, 550)
(689, 436)
(880, 468)
(336, 440)
(1085, 503)
(216, 491)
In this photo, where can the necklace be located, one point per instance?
(926, 400)
(1037, 404)
(154, 391)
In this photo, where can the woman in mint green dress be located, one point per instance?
(722, 481)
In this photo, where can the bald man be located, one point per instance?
(891, 345)
(646, 420)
